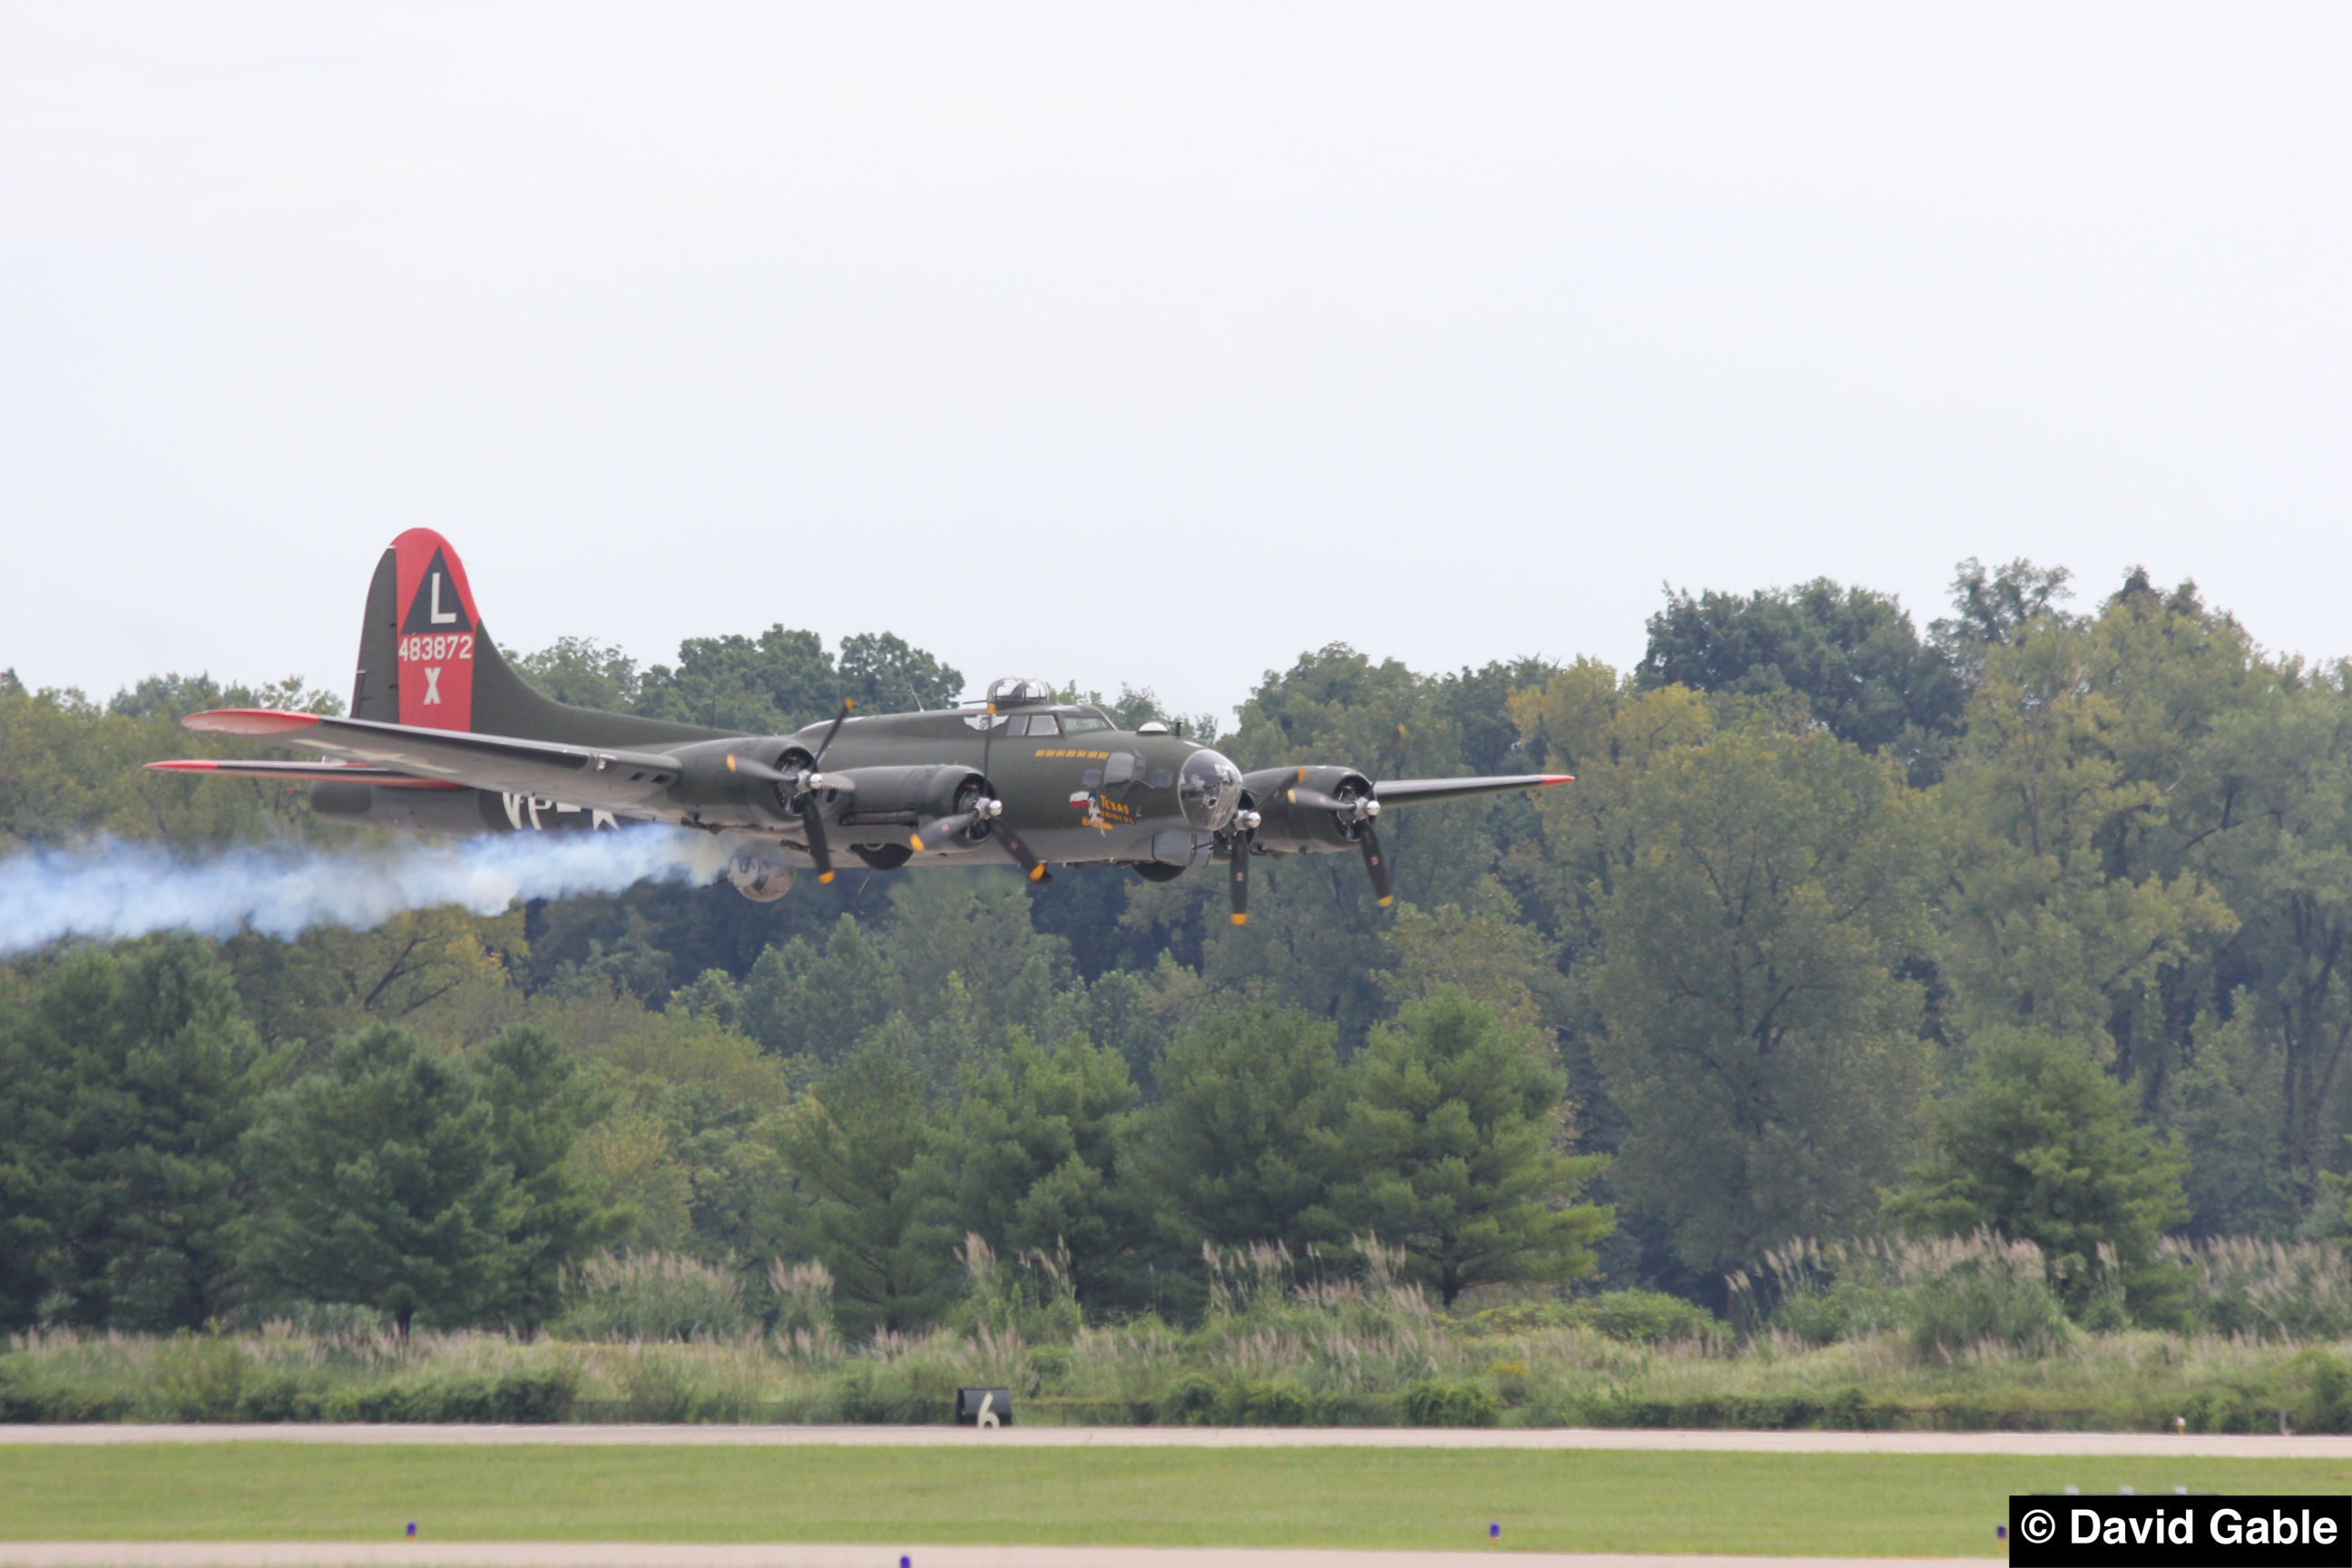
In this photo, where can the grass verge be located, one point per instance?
(1922, 1505)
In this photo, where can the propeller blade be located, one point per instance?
(1237, 879)
(944, 829)
(1031, 867)
(812, 822)
(1378, 865)
(756, 770)
(826, 745)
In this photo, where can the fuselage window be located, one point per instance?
(1079, 723)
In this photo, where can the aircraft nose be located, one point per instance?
(1210, 788)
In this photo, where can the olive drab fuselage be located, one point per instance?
(1085, 792)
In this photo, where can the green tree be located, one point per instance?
(28, 1141)
(1233, 1152)
(539, 1104)
(1449, 1148)
(1991, 609)
(868, 1181)
(884, 675)
(2066, 907)
(1853, 654)
(381, 1183)
(582, 672)
(131, 1075)
(2269, 814)
(1038, 1144)
(1755, 1034)
(770, 685)
(2042, 1148)
(805, 999)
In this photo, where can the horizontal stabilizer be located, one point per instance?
(302, 773)
(588, 776)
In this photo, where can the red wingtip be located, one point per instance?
(186, 765)
(248, 722)
(1551, 779)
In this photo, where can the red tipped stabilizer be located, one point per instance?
(248, 722)
(300, 772)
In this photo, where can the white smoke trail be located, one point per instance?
(113, 890)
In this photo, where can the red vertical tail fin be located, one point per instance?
(422, 638)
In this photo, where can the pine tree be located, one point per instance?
(381, 1185)
(1450, 1149)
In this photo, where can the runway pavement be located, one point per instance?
(2068, 1444)
(644, 1554)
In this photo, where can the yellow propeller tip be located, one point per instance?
(1241, 919)
(730, 764)
(917, 840)
(825, 875)
(1038, 873)
(1387, 901)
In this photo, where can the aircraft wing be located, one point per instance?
(586, 775)
(301, 772)
(1413, 792)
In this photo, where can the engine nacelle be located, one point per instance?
(890, 804)
(1286, 827)
(714, 781)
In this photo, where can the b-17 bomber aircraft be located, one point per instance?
(444, 737)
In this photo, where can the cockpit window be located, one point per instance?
(1080, 723)
(1039, 724)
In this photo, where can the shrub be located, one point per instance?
(2330, 1407)
(668, 1386)
(1049, 1365)
(1190, 1401)
(1432, 1403)
(1269, 1404)
(1980, 1289)
(1642, 1317)
(1354, 1407)
(198, 1379)
(650, 1296)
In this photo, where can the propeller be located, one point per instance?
(1031, 867)
(1377, 864)
(1236, 842)
(806, 783)
(1356, 815)
(982, 813)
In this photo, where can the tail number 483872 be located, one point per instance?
(442, 646)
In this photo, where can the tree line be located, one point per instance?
(2034, 918)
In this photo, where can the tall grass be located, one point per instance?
(2275, 1290)
(1962, 1333)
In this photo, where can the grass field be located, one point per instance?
(1595, 1500)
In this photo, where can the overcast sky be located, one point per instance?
(1155, 344)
